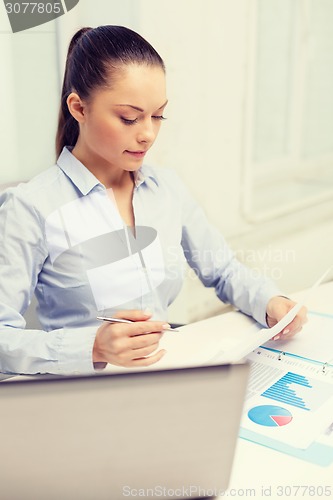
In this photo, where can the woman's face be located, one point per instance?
(120, 124)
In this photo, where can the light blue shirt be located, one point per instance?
(64, 240)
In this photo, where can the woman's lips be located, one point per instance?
(136, 154)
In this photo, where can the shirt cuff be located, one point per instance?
(75, 353)
(263, 296)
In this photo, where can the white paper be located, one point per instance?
(260, 336)
(314, 391)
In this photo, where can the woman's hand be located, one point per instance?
(129, 344)
(277, 308)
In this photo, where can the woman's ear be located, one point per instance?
(76, 107)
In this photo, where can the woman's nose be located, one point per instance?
(147, 133)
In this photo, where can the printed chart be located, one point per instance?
(270, 416)
(299, 391)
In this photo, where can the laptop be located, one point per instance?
(165, 434)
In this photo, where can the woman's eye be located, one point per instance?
(129, 122)
(133, 122)
(159, 117)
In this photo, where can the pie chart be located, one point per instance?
(270, 416)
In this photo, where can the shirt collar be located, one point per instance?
(85, 181)
(81, 177)
(145, 175)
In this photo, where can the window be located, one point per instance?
(288, 154)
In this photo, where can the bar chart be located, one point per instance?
(299, 391)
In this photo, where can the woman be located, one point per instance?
(101, 234)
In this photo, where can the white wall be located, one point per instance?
(205, 48)
(29, 95)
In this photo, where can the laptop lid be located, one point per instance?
(155, 434)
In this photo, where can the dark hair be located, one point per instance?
(92, 55)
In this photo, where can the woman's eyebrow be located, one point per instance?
(140, 109)
(163, 105)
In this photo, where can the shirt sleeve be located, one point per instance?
(22, 254)
(215, 264)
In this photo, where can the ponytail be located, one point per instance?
(68, 127)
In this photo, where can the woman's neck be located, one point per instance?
(109, 175)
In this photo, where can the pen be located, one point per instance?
(118, 320)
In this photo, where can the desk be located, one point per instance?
(257, 467)
(261, 470)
